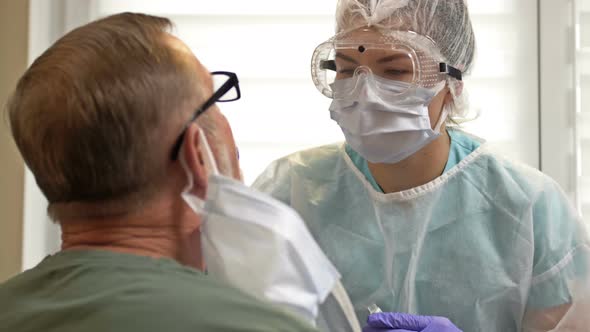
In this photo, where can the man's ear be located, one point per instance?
(193, 153)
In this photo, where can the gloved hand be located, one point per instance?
(398, 322)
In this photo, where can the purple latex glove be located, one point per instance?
(398, 322)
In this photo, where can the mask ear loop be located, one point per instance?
(442, 118)
(196, 203)
(459, 112)
(209, 160)
(445, 110)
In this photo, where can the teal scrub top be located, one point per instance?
(461, 146)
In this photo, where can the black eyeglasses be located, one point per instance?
(227, 89)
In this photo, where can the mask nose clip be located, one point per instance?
(362, 76)
(362, 71)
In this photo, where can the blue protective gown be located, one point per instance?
(481, 244)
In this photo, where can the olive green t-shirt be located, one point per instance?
(107, 291)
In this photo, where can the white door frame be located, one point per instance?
(558, 94)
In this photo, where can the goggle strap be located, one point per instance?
(451, 71)
(444, 68)
(328, 65)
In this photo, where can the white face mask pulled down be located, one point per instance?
(262, 247)
(380, 123)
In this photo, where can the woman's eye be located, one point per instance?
(346, 71)
(397, 72)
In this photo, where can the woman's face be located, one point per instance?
(396, 65)
(392, 62)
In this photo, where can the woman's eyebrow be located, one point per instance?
(393, 57)
(346, 58)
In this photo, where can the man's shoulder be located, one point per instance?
(206, 303)
(151, 297)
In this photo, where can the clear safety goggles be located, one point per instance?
(400, 56)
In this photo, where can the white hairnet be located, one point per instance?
(446, 22)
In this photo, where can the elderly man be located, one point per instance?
(104, 121)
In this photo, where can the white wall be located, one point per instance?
(49, 20)
(13, 61)
(504, 83)
(270, 44)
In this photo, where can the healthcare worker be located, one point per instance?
(420, 217)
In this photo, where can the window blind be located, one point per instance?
(582, 102)
(270, 43)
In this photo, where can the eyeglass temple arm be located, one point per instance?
(215, 98)
(231, 82)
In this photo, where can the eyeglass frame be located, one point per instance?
(232, 82)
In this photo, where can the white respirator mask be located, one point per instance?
(384, 129)
(261, 246)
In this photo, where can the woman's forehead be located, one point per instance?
(378, 54)
(378, 41)
(367, 35)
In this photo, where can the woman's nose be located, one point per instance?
(362, 70)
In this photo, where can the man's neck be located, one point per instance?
(419, 169)
(167, 230)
